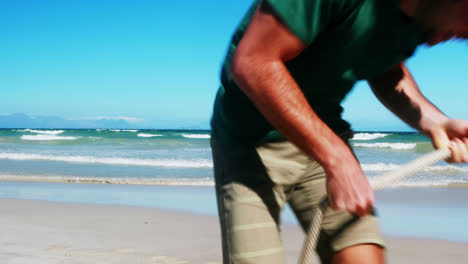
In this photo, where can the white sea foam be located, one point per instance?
(382, 167)
(428, 183)
(148, 135)
(198, 182)
(115, 130)
(368, 136)
(130, 130)
(196, 136)
(46, 132)
(448, 169)
(172, 163)
(398, 146)
(46, 137)
(379, 167)
(136, 181)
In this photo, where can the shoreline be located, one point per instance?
(52, 232)
(170, 182)
(432, 213)
(116, 181)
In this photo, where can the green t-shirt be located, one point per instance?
(347, 41)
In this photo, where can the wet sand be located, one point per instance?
(33, 232)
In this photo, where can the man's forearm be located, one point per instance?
(275, 93)
(398, 91)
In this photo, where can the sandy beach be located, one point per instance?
(34, 232)
(146, 196)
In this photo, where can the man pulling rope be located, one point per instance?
(277, 132)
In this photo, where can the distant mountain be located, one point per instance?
(21, 120)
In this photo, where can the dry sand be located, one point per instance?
(33, 232)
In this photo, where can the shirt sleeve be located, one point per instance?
(306, 18)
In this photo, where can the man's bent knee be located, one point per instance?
(362, 254)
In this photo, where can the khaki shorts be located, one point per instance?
(253, 184)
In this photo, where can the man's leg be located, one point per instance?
(362, 254)
(344, 238)
(247, 206)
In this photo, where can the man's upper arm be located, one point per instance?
(283, 29)
(388, 80)
(267, 38)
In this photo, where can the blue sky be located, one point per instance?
(156, 63)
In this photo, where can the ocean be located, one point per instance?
(106, 155)
(173, 169)
(180, 157)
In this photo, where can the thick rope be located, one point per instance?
(377, 183)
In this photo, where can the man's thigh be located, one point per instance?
(247, 207)
(250, 229)
(340, 230)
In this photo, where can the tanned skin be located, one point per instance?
(258, 67)
(398, 91)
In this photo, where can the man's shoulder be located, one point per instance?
(307, 18)
(333, 4)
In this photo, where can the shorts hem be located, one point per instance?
(360, 241)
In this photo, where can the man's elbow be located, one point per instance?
(240, 67)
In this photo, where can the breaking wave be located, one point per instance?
(196, 136)
(148, 135)
(171, 163)
(46, 132)
(368, 136)
(46, 137)
(397, 146)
